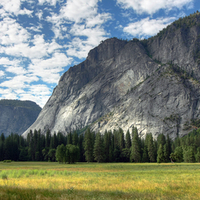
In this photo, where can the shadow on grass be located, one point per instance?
(10, 193)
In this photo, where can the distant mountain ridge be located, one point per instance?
(152, 84)
(16, 116)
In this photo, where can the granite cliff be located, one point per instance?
(16, 116)
(151, 84)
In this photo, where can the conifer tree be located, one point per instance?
(75, 138)
(135, 148)
(151, 148)
(167, 149)
(98, 148)
(72, 153)
(69, 138)
(81, 148)
(128, 140)
(106, 141)
(88, 145)
(145, 156)
(47, 139)
(121, 139)
(160, 156)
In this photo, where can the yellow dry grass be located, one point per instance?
(104, 181)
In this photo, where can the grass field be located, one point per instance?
(45, 180)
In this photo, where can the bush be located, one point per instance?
(7, 161)
(4, 176)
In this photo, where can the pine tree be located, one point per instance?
(81, 148)
(47, 139)
(75, 138)
(128, 140)
(145, 156)
(106, 141)
(98, 148)
(135, 148)
(69, 138)
(188, 154)
(160, 156)
(121, 139)
(167, 149)
(151, 148)
(88, 145)
(72, 153)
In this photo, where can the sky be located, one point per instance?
(42, 39)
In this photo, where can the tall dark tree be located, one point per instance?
(81, 148)
(72, 153)
(98, 148)
(135, 155)
(47, 139)
(160, 156)
(69, 138)
(128, 140)
(107, 143)
(151, 148)
(75, 138)
(88, 145)
(121, 139)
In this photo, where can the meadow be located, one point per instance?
(47, 180)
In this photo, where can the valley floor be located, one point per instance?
(48, 180)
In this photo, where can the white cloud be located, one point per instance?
(38, 93)
(1, 73)
(6, 62)
(25, 12)
(16, 70)
(150, 7)
(19, 82)
(147, 26)
(51, 2)
(39, 14)
(12, 33)
(78, 10)
(39, 49)
(13, 7)
(49, 69)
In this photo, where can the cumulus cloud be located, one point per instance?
(151, 7)
(1, 73)
(14, 7)
(147, 26)
(49, 69)
(12, 33)
(51, 2)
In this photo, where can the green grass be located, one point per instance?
(44, 180)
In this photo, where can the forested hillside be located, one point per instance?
(16, 116)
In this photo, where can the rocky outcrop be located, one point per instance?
(16, 116)
(151, 84)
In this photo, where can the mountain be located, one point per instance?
(151, 84)
(16, 116)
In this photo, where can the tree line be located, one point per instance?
(112, 146)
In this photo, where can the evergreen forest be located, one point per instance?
(112, 146)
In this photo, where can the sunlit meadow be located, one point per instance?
(45, 180)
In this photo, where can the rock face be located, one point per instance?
(152, 84)
(16, 116)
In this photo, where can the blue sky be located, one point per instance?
(41, 39)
